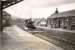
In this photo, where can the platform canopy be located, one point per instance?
(7, 3)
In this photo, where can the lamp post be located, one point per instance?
(1, 14)
(1, 23)
(1, 26)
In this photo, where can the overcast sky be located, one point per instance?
(39, 8)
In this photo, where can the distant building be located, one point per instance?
(6, 19)
(65, 20)
(41, 22)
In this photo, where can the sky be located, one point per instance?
(39, 8)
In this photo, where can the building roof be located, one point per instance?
(63, 14)
(8, 3)
(6, 13)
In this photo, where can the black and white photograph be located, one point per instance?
(37, 24)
